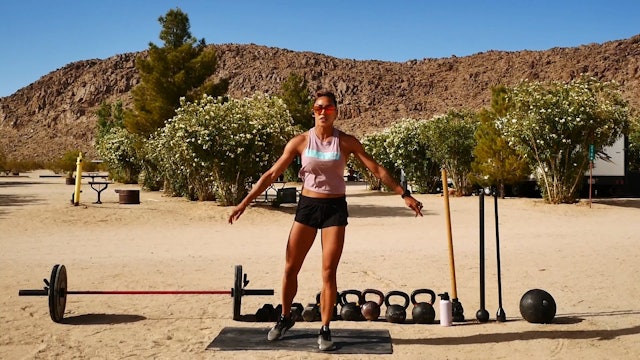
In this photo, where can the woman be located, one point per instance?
(324, 151)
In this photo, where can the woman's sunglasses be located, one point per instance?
(328, 109)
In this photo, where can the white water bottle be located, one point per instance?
(446, 310)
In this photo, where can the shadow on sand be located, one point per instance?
(548, 333)
(629, 203)
(102, 319)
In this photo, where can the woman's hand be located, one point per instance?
(413, 204)
(235, 213)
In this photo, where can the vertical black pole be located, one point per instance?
(482, 315)
(500, 316)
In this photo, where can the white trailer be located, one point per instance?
(609, 173)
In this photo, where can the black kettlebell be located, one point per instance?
(312, 311)
(335, 315)
(351, 310)
(296, 311)
(265, 313)
(396, 313)
(277, 311)
(371, 309)
(423, 312)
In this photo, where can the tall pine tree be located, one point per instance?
(295, 93)
(495, 162)
(180, 68)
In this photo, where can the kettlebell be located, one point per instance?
(277, 311)
(396, 313)
(312, 311)
(296, 311)
(335, 315)
(371, 309)
(351, 310)
(423, 312)
(265, 313)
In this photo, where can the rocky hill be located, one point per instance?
(56, 113)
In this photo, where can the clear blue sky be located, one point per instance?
(38, 37)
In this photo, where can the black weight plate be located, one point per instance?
(52, 302)
(236, 292)
(57, 292)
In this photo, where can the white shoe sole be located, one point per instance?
(325, 347)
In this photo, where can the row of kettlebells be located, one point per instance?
(355, 306)
(270, 313)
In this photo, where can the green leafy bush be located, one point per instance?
(451, 138)
(374, 145)
(67, 163)
(120, 151)
(554, 123)
(409, 148)
(214, 149)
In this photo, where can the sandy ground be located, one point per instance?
(586, 257)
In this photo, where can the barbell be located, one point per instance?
(56, 290)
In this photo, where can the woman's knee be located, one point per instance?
(300, 240)
(329, 274)
(291, 269)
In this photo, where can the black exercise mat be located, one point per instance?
(346, 341)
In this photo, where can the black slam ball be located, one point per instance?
(537, 306)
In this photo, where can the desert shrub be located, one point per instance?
(214, 149)
(554, 123)
(120, 151)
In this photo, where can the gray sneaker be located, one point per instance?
(280, 328)
(324, 339)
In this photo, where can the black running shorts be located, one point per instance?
(322, 212)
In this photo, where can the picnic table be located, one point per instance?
(274, 187)
(277, 191)
(94, 175)
(99, 187)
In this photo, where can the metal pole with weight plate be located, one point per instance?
(56, 291)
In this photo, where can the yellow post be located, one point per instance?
(76, 194)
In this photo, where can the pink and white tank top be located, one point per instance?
(323, 164)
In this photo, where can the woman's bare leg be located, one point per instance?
(332, 244)
(300, 240)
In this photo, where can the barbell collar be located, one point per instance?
(33, 292)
